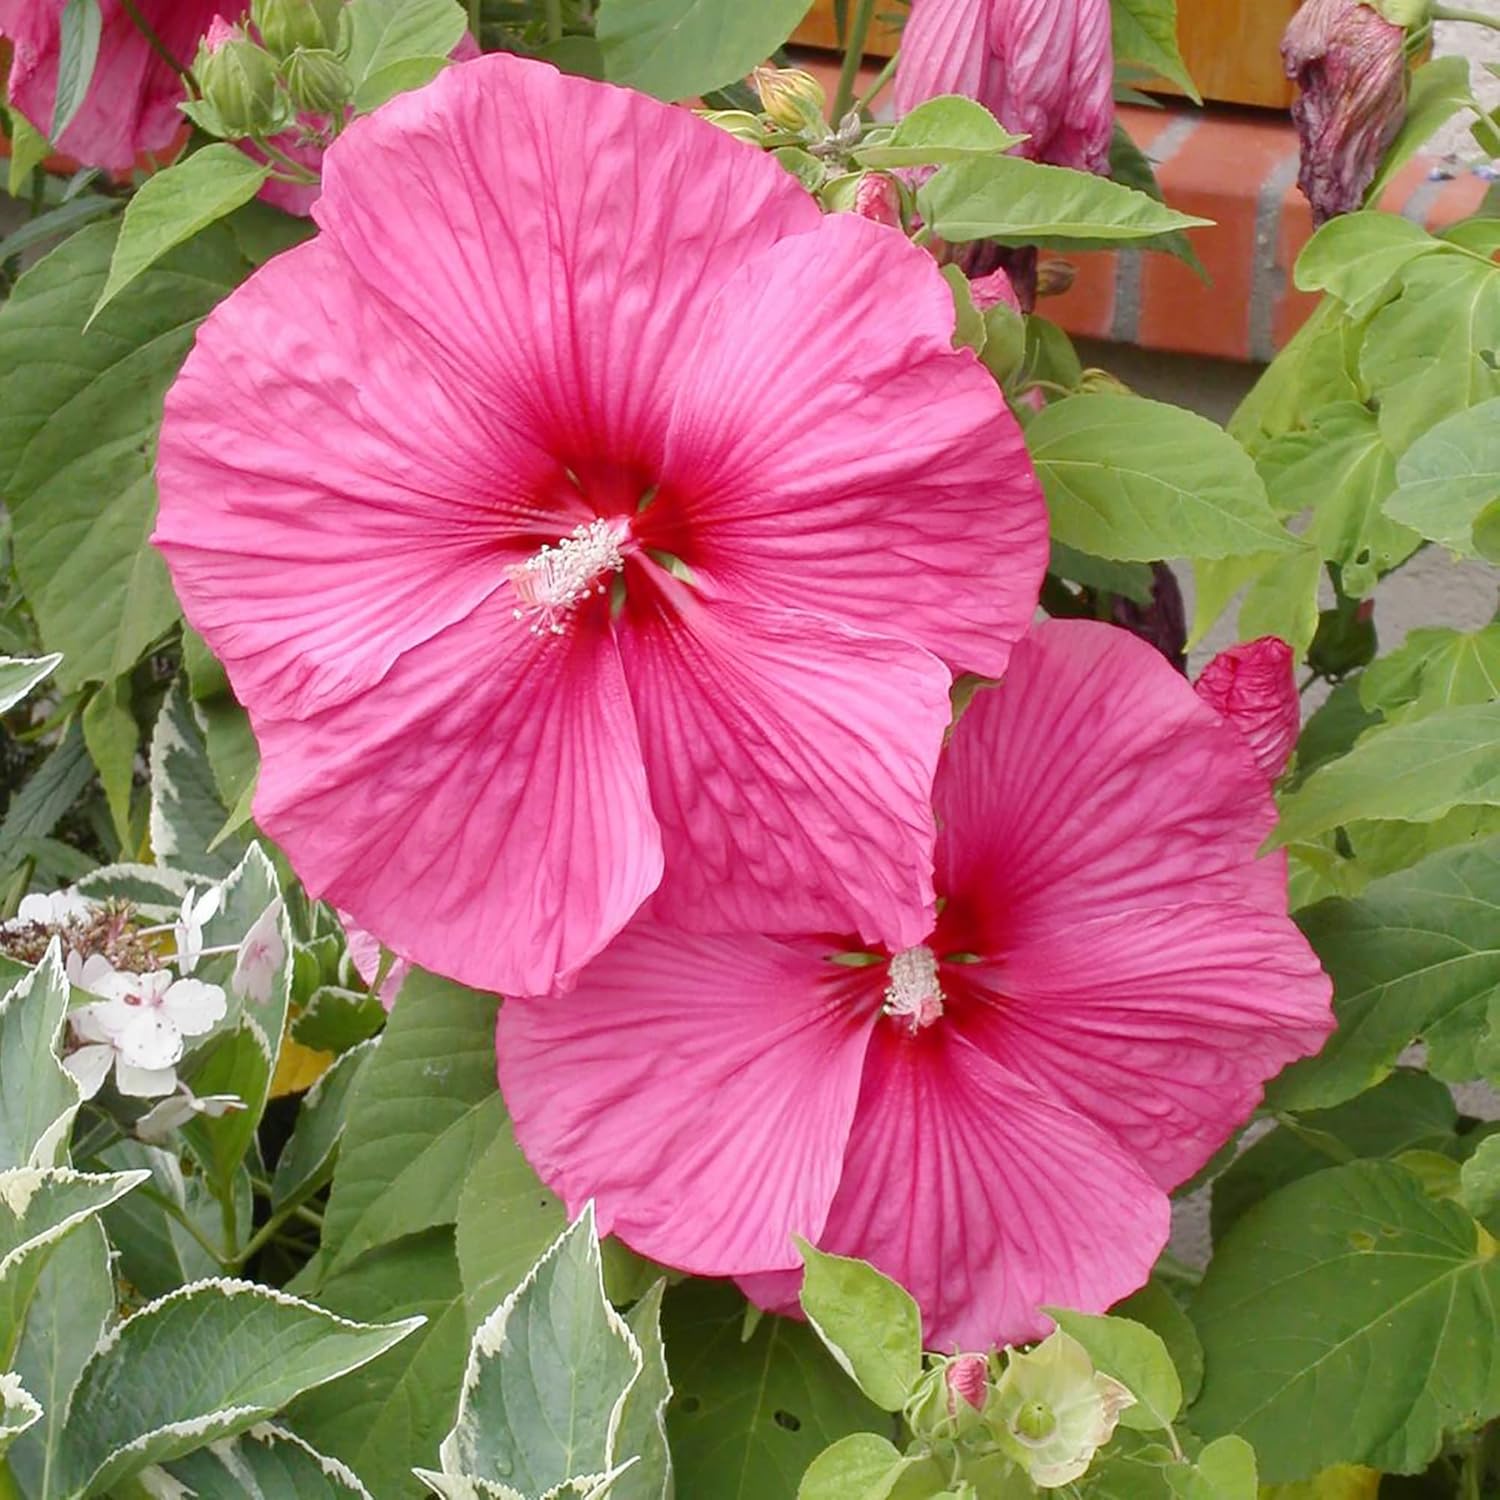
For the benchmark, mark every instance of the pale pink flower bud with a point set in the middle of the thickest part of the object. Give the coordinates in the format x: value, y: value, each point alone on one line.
x: 1350, y: 66
x: 1254, y: 687
x: 877, y: 197
x: 219, y: 34
x: 968, y: 1379
x: 992, y: 290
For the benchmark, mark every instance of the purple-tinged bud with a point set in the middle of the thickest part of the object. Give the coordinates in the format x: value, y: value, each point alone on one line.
x: 878, y: 198
x: 1349, y: 62
x: 968, y: 1379
x: 1254, y: 687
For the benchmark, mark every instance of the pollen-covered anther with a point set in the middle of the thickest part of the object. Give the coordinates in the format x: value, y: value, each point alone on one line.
x: 914, y: 995
x: 554, y: 581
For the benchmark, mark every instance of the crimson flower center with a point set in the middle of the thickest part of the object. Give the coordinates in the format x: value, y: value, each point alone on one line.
x: 914, y: 994
x: 556, y: 579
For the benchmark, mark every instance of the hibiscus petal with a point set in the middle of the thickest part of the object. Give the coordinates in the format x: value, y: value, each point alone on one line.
x: 790, y: 761
x: 1091, y: 781
x: 1160, y: 1026
x: 497, y: 831
x: 563, y: 238
x: 698, y: 1089
x: 944, y: 50
x: 792, y: 497
x: 986, y: 1199
x: 333, y: 491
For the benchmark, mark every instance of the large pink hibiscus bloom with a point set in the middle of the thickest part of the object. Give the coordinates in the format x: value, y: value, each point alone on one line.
x: 1044, y: 68
x: 583, y: 503
x: 994, y: 1115
x: 131, y: 105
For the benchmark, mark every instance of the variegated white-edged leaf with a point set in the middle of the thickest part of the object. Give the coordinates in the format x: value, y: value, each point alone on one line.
x: 19, y: 674
x: 187, y: 812
x: 269, y: 1463
x: 642, y: 1438
x: 539, y: 1434
x: 38, y: 1096
x: 19, y: 1410
x: 154, y: 890
x: 206, y: 1362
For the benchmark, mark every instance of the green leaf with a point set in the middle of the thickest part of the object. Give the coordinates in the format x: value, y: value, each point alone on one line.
x: 1161, y: 1312
x: 871, y: 1326
x: 642, y: 1433
x: 73, y: 1304
x: 18, y: 675
x: 1018, y: 202
x: 307, y: 1159
x: 186, y: 811
x: 111, y: 734
x: 865, y: 1466
x: 1280, y: 595
x: 1145, y: 32
x: 158, y: 892
x: 1132, y: 580
x: 140, y: 1402
x: 78, y: 424
x: 383, y: 34
x: 751, y: 1414
x: 1449, y: 477
x: 506, y: 1220
x: 1224, y: 1470
x: 1349, y: 1319
x: 1407, y: 1110
x: 1432, y: 352
x: 39, y: 1207
x: 946, y: 129
x: 1137, y: 480
x: 175, y: 204
x: 1414, y: 956
x: 1415, y: 771
x: 19, y: 1411
x: 396, y: 78
x: 547, y: 1375
x: 334, y: 1019
x: 421, y: 1113
x: 38, y: 1097
x: 29, y: 148
x: 1432, y: 670
x: 1130, y: 166
x: 1136, y: 1357
x: 77, y: 52
x: 47, y: 796
x: 270, y: 1464
x: 1479, y: 1179
x: 1356, y: 257
x: 678, y: 48
x: 1439, y: 89
x: 389, y: 1417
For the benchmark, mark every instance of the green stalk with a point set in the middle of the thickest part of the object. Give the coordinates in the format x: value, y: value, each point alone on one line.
x: 1463, y: 13
x: 877, y: 88
x: 9, y: 1489
x: 854, y: 55
x: 553, y: 9
x: 475, y: 6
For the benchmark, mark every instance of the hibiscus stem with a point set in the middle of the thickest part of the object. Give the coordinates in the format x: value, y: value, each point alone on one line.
x: 158, y: 46
x: 854, y: 55
x: 553, y: 9
x: 1463, y: 13
x: 297, y: 171
x: 882, y: 78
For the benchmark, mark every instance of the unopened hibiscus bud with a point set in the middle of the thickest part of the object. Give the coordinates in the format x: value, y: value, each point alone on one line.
x: 994, y: 290
x: 739, y: 123
x: 286, y: 25
x: 878, y: 198
x: 1054, y: 276
x: 238, y: 82
x: 968, y: 1379
x: 1052, y: 1411
x: 1349, y: 62
x: 1254, y: 687
x: 318, y: 82
x: 949, y: 1399
x: 795, y: 100
x: 1102, y: 383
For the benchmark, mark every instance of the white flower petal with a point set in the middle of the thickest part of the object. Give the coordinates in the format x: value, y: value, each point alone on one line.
x: 162, y: 1119
x: 147, y: 1039
x: 88, y: 1022
x: 90, y: 1065
x: 194, y: 1007
x: 261, y: 955
x: 144, y: 1083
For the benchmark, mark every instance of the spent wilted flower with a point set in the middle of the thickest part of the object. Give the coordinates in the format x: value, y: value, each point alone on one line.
x: 995, y: 1114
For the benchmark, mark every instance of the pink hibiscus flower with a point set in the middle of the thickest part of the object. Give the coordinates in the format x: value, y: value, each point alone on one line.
x: 131, y: 105
x: 1254, y: 686
x: 995, y: 1115
x: 582, y: 503
x: 1043, y: 68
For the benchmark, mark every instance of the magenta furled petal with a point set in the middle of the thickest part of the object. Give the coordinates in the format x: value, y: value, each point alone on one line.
x: 984, y: 1197
x: 1092, y: 781
x: 561, y: 238
x: 1254, y: 686
x: 789, y: 759
x: 500, y: 834
x: 1160, y: 1026
x: 131, y: 105
x: 944, y: 50
x: 776, y: 492
x: 698, y: 1089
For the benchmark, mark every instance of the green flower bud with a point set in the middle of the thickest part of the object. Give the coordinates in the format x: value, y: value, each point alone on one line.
x: 739, y: 123
x: 239, y: 84
x: 318, y: 82
x: 949, y: 1400
x: 1051, y: 1411
x: 792, y: 98
x: 286, y: 25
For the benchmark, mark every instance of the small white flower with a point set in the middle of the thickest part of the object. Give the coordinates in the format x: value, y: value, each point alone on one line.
x: 261, y: 954
x: 187, y: 930
x: 137, y: 1026
x: 53, y: 908
x: 161, y: 1120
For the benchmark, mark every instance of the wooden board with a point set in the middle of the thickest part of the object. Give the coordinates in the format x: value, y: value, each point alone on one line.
x: 1231, y: 46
